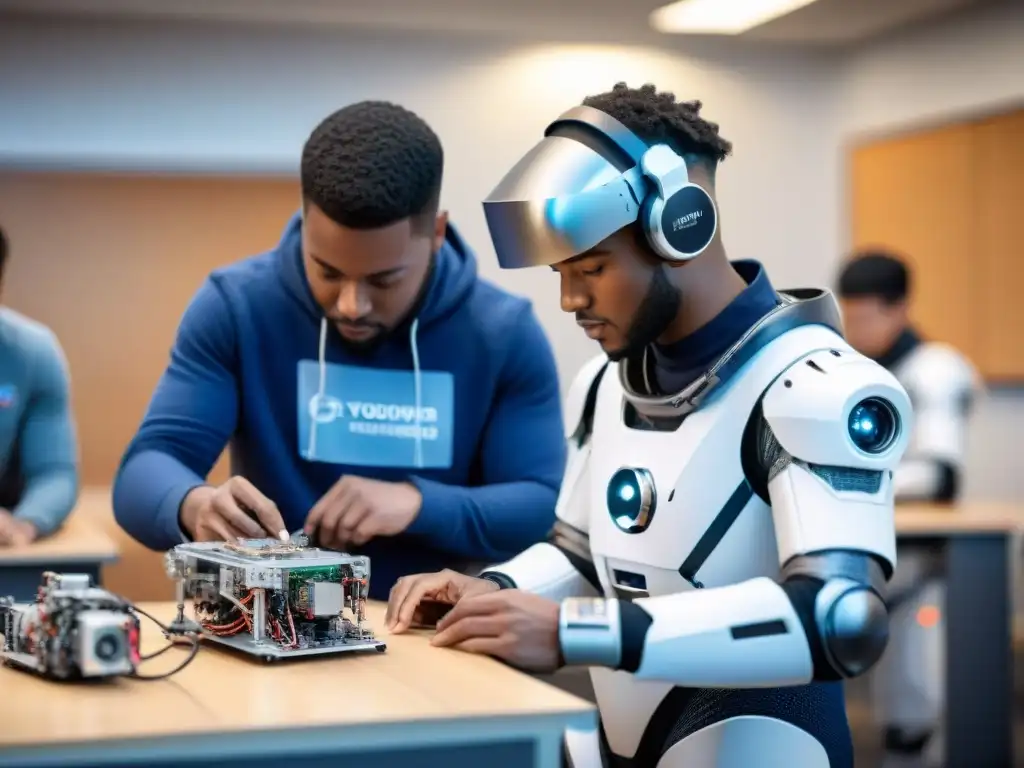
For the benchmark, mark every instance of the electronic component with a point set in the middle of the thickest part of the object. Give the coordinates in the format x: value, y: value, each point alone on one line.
x: 274, y: 599
x: 74, y: 630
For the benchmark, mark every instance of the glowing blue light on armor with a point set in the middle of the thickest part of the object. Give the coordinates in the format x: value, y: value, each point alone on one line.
x: 873, y: 425
x: 630, y: 498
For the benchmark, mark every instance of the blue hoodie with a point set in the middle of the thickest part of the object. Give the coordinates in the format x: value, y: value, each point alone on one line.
x: 463, y: 401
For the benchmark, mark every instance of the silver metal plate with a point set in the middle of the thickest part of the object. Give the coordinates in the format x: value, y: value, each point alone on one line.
x: 245, y: 643
x: 283, y: 555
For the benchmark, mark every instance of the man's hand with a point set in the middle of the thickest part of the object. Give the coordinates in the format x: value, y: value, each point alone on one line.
x: 413, y: 598
x: 357, y: 509
x: 15, y: 532
x: 228, y: 511
x: 518, y: 627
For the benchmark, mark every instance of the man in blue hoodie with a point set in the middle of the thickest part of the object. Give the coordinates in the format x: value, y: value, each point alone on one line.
x: 373, y: 389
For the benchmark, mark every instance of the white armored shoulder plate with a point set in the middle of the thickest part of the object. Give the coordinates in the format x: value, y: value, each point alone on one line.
x: 576, y: 400
x: 840, y: 409
x: 937, y: 371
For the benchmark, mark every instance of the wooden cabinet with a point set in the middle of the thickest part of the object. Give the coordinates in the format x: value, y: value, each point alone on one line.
x: 951, y: 201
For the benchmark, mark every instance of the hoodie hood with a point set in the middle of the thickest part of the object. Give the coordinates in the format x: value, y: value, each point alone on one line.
x: 451, y: 280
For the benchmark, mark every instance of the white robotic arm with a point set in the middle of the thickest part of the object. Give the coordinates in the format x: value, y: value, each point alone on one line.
x: 563, y: 567
x: 834, y: 427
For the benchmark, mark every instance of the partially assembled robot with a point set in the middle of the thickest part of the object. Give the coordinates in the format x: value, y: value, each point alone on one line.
x: 73, y: 630
x: 273, y: 599
x: 749, y: 516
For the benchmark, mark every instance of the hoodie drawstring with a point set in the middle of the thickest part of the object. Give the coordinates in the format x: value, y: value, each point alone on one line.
x: 318, y: 399
x: 416, y: 382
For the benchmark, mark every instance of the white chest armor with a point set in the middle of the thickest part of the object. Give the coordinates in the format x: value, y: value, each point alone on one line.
x: 707, y: 521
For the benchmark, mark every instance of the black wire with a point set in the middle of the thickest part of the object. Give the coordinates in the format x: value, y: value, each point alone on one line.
x: 161, y: 652
x: 188, y: 660
x: 194, y: 639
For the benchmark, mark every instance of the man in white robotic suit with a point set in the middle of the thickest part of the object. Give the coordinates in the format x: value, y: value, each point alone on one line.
x: 874, y: 288
x: 725, y: 525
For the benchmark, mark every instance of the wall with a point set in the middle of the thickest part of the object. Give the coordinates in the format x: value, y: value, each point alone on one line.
x: 177, y: 97
x: 956, y: 67
x: 112, y: 278
x: 183, y: 98
x: 959, y: 67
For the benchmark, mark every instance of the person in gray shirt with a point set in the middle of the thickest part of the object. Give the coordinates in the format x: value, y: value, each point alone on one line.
x: 38, y: 438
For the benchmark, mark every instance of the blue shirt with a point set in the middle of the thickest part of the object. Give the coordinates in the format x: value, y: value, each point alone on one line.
x: 464, y: 403
x: 38, y: 439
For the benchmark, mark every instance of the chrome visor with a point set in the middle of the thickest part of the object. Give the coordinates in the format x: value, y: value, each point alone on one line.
x: 560, y: 200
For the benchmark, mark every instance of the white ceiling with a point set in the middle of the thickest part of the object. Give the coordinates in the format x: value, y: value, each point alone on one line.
x: 825, y: 22
x: 851, y: 21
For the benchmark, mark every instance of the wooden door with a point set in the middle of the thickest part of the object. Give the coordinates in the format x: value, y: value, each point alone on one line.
x: 915, y: 195
x: 1000, y: 193
x: 951, y: 201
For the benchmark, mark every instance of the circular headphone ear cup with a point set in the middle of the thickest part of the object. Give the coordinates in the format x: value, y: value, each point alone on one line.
x: 650, y: 216
x: 688, y: 222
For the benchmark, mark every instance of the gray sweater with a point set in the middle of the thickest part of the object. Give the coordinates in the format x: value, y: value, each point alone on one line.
x: 38, y: 440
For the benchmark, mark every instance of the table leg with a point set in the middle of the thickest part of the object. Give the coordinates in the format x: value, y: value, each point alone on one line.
x: 979, y: 653
x: 22, y: 581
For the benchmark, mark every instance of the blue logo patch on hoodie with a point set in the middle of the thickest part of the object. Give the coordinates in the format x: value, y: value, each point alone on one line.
x: 375, y: 418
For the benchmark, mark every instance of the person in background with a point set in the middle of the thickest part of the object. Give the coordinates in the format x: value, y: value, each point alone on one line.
x: 875, y: 291
x: 38, y: 437
x: 375, y: 391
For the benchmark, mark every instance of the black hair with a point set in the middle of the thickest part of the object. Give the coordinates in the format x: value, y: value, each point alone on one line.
x: 875, y: 273
x: 372, y: 164
x: 655, y: 116
x: 3, y: 251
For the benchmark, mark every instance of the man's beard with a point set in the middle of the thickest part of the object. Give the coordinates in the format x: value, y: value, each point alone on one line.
x: 658, y: 309
x: 368, y: 347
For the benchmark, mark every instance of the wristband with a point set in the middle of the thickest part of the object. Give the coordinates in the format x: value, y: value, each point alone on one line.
x: 503, y: 581
x: 589, y: 632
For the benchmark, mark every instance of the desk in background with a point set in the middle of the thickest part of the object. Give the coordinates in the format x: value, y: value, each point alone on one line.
x: 80, y: 546
x: 412, y: 707
x: 977, y: 538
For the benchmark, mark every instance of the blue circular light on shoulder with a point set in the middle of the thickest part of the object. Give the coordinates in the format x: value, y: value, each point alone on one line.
x: 873, y: 425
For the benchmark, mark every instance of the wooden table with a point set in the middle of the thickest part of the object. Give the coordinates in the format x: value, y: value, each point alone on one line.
x: 411, y: 707
x: 977, y: 539
x: 79, y: 546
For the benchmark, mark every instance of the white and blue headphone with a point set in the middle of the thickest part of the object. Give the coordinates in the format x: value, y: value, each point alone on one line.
x: 678, y: 217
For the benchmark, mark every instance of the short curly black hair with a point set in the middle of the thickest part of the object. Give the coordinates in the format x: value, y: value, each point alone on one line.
x: 655, y: 116
x: 372, y: 164
x: 875, y: 273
